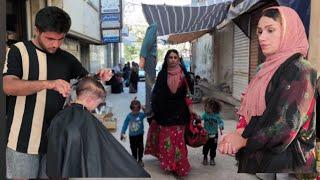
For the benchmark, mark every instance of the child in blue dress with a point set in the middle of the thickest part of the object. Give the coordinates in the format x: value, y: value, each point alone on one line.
x: 136, y: 130
x: 212, y: 122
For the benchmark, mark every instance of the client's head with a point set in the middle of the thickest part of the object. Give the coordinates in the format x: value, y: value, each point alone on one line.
x: 90, y: 93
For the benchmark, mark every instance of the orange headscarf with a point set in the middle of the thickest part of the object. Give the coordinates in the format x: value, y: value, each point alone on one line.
x: 293, y: 40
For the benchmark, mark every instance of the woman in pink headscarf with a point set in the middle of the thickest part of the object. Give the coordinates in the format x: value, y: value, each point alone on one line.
x: 276, y: 131
x: 171, y: 108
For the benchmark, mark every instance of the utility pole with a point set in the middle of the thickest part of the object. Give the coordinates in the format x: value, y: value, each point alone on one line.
x: 314, y: 35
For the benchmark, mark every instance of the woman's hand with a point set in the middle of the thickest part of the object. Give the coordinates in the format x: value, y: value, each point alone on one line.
x: 240, y: 130
x: 231, y: 143
x: 225, y: 147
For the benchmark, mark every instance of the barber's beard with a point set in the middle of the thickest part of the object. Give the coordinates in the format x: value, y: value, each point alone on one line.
x: 43, y: 47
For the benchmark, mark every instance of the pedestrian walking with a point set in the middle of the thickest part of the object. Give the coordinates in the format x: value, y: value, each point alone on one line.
x: 171, y: 109
x: 126, y: 73
x: 134, y: 78
x: 136, y: 130
x: 212, y: 124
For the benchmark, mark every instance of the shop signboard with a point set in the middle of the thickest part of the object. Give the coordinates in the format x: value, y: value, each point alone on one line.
x: 110, y: 35
x: 110, y: 20
x: 110, y: 6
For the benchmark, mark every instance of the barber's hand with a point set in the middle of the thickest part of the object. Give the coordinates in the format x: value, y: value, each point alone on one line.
x: 105, y: 74
x: 61, y: 86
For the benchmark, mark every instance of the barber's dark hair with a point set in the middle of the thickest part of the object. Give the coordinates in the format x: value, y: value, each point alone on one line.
x: 135, y: 103
x: 90, y: 85
x: 52, y: 19
x: 273, y: 13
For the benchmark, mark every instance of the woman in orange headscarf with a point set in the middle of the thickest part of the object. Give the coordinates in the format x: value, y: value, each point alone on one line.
x: 276, y: 131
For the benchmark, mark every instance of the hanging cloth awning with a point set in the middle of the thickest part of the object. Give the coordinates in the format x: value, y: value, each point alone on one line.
x: 240, y: 10
x: 237, y: 8
x: 185, y: 37
x: 184, y: 23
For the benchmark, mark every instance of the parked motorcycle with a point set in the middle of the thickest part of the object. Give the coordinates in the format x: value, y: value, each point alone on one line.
x: 200, y: 87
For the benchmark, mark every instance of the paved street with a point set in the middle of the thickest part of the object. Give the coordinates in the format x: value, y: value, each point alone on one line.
x: 225, y: 167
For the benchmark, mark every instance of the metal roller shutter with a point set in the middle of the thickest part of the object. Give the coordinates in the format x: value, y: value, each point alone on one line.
x: 240, y: 62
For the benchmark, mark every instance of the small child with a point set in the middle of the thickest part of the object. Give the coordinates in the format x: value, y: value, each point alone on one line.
x: 212, y: 121
x: 136, y: 130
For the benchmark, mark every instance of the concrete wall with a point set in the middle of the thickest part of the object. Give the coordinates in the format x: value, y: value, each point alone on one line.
x: 85, y: 55
x: 193, y: 55
x: 223, y: 55
x: 80, y: 50
x: 98, y: 57
x: 85, y: 19
x: 203, y: 57
x: 109, y: 58
x: 34, y: 6
x: 116, y: 53
x: 72, y: 46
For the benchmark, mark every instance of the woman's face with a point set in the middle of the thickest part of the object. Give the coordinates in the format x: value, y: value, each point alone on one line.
x: 173, y: 60
x: 269, y: 35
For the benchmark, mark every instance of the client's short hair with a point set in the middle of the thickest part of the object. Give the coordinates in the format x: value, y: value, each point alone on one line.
x: 89, y: 85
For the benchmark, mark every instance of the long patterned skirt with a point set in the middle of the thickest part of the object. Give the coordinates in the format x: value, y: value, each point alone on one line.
x: 173, y: 154
x: 152, y: 144
x: 168, y: 145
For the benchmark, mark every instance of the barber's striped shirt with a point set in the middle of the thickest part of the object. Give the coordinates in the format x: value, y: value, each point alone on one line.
x: 29, y: 116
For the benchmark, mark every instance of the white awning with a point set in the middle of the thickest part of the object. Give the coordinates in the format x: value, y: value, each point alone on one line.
x: 172, y: 20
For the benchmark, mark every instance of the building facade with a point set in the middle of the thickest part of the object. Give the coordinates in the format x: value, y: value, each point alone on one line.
x: 84, y: 31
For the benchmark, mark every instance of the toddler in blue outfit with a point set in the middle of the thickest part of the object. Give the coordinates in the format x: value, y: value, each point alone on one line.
x: 136, y: 130
x: 212, y: 122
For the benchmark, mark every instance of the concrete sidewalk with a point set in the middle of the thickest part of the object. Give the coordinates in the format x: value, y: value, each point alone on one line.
x: 225, y: 168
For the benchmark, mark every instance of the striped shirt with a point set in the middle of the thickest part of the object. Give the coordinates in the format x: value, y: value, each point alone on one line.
x: 30, y: 116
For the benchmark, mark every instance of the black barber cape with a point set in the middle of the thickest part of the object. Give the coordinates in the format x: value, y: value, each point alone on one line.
x: 80, y: 146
